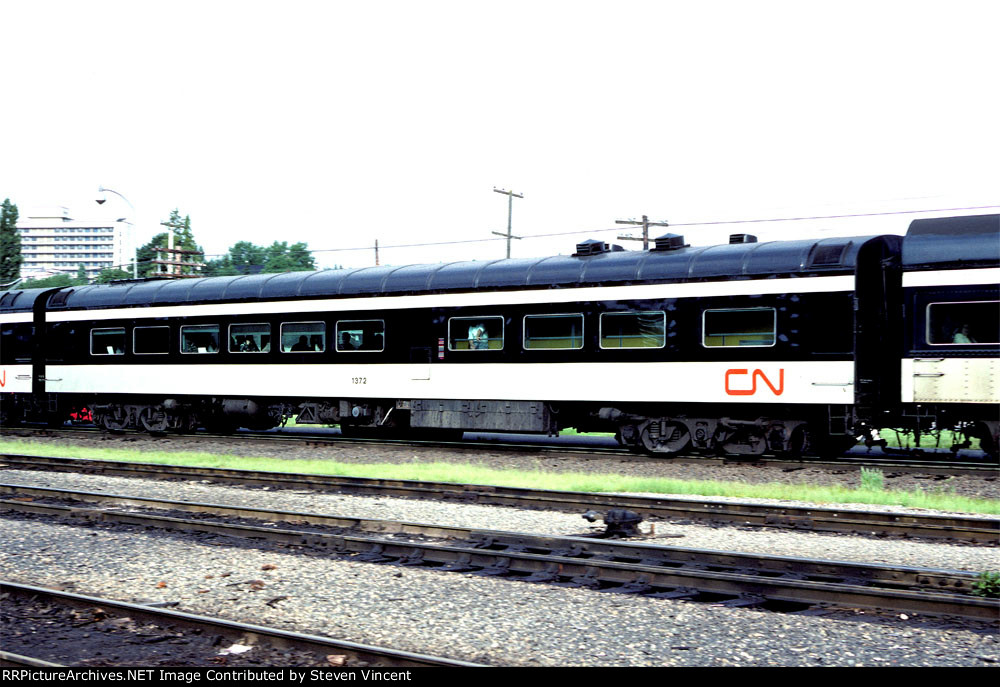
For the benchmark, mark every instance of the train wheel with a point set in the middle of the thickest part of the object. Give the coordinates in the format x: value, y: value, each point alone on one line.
x: 989, y: 441
x: 799, y: 444
x: 628, y: 436
x: 153, y: 420
x: 114, y: 421
x: 662, y: 437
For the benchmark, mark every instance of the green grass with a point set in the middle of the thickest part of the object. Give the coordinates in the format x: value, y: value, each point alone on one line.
x: 926, y: 440
x: 539, y: 479
x: 574, y: 433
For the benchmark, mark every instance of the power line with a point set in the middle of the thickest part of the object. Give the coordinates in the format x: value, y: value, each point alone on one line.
x: 677, y: 224
x: 597, y: 231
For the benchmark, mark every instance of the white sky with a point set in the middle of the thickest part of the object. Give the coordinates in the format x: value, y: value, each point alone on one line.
x: 338, y: 123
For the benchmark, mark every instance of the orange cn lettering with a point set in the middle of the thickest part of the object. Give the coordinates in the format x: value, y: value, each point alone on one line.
x: 753, y: 382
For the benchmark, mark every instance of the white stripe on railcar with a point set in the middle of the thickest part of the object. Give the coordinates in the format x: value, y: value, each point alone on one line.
x: 15, y: 317
x: 15, y: 379
x: 969, y: 277
x: 675, y: 382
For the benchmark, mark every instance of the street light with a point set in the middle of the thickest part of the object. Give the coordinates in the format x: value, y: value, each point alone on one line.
x: 135, y: 248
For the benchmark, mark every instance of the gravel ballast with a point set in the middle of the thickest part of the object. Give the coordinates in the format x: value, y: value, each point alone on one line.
x: 924, y: 554
x: 475, y: 618
x: 480, y: 619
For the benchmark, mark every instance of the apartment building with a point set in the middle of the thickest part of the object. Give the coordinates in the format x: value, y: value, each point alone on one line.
x: 52, y: 243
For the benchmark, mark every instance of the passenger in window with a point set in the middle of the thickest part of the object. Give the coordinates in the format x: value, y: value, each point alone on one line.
x: 963, y: 336
x: 346, y: 343
x: 316, y: 343
x: 302, y: 345
x: 477, y: 337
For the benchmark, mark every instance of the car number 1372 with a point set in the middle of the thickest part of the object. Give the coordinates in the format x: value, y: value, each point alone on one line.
x: 359, y: 380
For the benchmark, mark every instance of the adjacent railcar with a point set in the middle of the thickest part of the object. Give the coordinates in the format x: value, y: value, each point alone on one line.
x: 743, y: 348
x: 950, y: 370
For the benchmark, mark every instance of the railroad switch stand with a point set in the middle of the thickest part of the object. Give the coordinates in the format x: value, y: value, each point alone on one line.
x: 619, y: 522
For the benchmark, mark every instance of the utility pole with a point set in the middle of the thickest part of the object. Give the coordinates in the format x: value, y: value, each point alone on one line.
x: 510, y: 208
x: 376, y: 252
x: 645, y: 224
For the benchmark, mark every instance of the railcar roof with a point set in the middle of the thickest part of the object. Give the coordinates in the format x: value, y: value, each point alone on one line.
x: 731, y: 261
x: 947, y: 242
x: 953, y: 242
x: 20, y: 300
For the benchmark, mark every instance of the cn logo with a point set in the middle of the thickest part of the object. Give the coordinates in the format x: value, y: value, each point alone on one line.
x: 753, y: 382
x: 3, y: 380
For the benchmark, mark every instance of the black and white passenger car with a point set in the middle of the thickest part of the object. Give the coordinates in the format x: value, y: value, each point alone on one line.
x: 743, y: 348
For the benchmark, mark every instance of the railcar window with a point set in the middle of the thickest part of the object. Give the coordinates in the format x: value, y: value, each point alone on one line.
x: 250, y: 338
x: 17, y: 342
x: 553, y: 331
x: 739, y: 327
x: 107, y: 341
x: 151, y: 340
x: 633, y: 329
x: 475, y: 333
x: 200, y: 338
x: 360, y: 335
x: 303, y: 337
x: 963, y: 324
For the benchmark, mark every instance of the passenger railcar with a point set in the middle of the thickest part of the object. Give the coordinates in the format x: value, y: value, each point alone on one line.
x: 744, y: 348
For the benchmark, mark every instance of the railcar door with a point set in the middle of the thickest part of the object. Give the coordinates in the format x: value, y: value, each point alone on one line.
x: 40, y: 352
x: 878, y: 335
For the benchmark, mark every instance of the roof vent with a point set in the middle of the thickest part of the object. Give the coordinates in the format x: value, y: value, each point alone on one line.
x: 591, y: 247
x: 669, y: 242
x: 59, y: 297
x: 829, y: 255
x: 742, y: 238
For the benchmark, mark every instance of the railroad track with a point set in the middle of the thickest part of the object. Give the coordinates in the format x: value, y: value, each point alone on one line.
x: 914, y: 461
x: 770, y: 582
x: 93, y: 631
x: 985, y: 531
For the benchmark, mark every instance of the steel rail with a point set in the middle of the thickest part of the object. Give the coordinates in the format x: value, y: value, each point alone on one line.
x: 639, y: 567
x: 7, y: 659
x: 584, y: 547
x: 242, y: 631
x: 868, y: 522
x: 897, y: 462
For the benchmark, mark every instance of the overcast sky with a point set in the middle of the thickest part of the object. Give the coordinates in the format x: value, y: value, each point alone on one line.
x: 338, y: 123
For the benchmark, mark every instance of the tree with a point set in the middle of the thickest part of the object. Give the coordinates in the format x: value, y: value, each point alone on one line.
x: 220, y: 267
x: 146, y: 254
x: 279, y: 257
x: 247, y: 258
x: 183, y: 238
x: 112, y: 274
x: 48, y: 282
x: 81, y: 275
x: 10, y: 244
